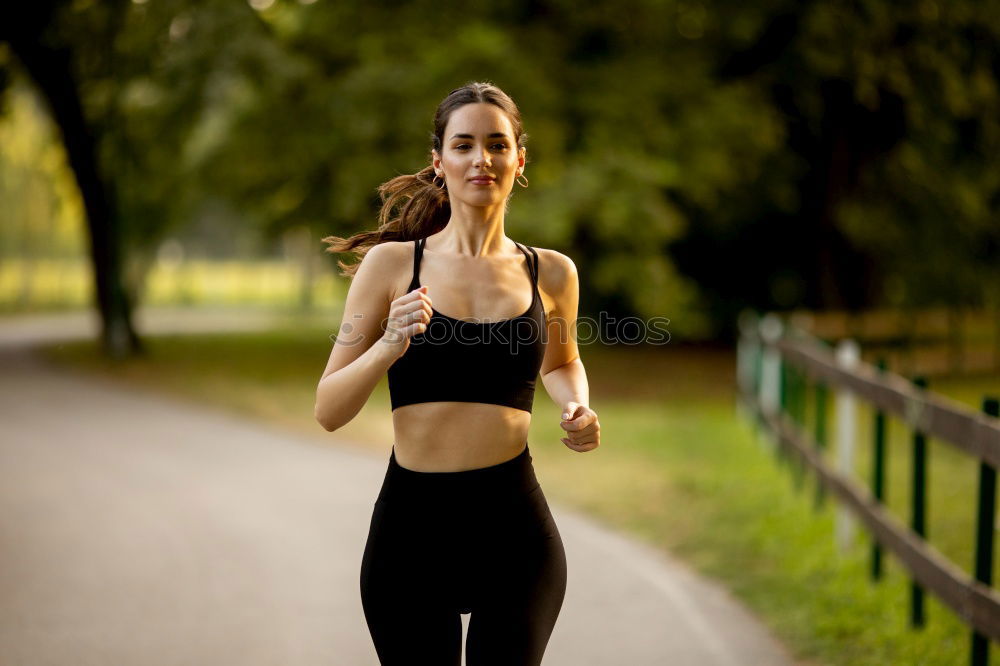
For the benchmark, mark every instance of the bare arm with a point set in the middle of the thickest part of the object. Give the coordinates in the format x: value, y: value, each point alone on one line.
x: 563, y: 374
x: 562, y: 370
x: 374, y: 332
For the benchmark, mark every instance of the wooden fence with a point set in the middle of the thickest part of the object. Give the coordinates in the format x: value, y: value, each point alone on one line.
x: 915, y: 341
x: 776, y: 368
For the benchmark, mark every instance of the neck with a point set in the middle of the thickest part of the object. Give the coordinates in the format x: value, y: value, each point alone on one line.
x: 474, y: 231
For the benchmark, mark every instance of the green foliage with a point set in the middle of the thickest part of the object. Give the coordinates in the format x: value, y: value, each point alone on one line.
x: 41, y: 207
x: 927, y: 205
x: 693, y: 157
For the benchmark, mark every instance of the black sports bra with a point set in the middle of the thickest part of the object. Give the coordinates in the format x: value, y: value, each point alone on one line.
x: 464, y: 361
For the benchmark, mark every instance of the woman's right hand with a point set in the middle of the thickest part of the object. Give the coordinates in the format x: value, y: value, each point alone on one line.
x: 408, y: 315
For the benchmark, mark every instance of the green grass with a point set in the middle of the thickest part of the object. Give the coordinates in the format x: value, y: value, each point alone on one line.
x: 677, y: 468
x: 32, y: 285
x: 952, y: 479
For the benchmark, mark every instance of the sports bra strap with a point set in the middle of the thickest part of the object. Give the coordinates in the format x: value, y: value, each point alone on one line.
x: 535, y: 273
x: 532, y: 267
x: 418, y: 251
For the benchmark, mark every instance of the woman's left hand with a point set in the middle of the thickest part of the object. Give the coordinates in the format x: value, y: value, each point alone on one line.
x: 582, y: 427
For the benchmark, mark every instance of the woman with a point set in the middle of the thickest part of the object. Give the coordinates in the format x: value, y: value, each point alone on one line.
x: 460, y: 524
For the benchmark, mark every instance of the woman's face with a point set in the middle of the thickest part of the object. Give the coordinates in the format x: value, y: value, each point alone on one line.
x: 479, y: 141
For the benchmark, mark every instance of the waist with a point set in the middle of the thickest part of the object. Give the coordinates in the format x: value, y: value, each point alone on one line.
x: 450, y: 436
x: 493, y: 483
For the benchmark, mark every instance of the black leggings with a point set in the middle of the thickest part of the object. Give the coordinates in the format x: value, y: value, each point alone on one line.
x: 479, y: 541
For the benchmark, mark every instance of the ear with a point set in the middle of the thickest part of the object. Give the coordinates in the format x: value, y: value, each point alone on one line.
x: 520, y: 157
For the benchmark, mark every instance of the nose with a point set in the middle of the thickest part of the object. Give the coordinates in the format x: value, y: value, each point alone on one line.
x: 483, y: 158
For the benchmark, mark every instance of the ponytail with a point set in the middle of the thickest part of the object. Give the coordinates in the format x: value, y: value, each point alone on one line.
x: 424, y: 209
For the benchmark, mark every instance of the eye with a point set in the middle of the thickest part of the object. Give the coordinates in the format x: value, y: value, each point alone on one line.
x: 463, y: 146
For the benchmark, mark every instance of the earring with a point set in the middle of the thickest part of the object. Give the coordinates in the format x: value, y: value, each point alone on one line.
x: 518, y: 179
x: 435, y: 179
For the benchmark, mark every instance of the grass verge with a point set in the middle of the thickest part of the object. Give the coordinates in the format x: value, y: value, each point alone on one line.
x: 676, y: 468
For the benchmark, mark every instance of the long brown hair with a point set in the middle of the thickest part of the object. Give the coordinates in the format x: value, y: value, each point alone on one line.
x: 424, y: 207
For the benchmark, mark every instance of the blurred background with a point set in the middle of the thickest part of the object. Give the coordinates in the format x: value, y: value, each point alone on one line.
x: 172, y: 164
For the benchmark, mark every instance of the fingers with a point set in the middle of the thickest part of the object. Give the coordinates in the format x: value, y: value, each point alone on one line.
x: 581, y: 447
x: 419, y: 292
x: 582, y: 433
x: 583, y: 437
x: 415, y: 296
x: 401, y: 320
x: 580, y: 423
x: 413, y: 329
x: 411, y: 312
x: 413, y: 323
x: 418, y: 310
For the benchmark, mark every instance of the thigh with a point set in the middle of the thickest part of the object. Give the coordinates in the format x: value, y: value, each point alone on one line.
x: 521, y: 593
x: 406, y: 608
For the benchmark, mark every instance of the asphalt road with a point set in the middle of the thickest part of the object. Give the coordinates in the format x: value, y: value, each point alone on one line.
x: 137, y: 529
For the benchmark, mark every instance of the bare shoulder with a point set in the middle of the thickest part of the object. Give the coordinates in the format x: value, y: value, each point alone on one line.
x: 386, y: 257
x: 558, y: 283
x: 556, y: 272
x: 387, y: 264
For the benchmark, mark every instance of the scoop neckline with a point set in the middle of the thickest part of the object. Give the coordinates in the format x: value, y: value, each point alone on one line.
x: 531, y: 306
x: 534, y: 298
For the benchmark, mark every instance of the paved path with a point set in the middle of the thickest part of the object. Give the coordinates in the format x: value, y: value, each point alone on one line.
x: 136, y: 529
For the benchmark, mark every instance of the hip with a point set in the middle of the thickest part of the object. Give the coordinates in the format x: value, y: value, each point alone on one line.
x: 498, y: 484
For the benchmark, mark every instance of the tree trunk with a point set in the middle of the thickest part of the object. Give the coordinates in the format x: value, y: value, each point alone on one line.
x: 50, y: 68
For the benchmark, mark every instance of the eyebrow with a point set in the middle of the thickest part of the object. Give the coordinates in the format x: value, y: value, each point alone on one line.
x: 469, y: 136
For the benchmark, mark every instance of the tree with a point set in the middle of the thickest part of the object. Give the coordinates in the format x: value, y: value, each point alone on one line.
x: 48, y: 60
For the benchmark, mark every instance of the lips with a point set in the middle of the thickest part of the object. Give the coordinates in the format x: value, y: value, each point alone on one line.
x: 482, y: 179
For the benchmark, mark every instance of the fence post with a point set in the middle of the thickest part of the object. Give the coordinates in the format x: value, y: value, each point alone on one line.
x: 802, y: 409
x: 770, y: 380
x: 848, y: 355
x: 758, y: 386
x: 799, y: 418
x: 820, y: 436
x: 784, y: 386
x: 746, y: 353
x: 985, y: 517
x: 878, y: 475
x: 919, y: 507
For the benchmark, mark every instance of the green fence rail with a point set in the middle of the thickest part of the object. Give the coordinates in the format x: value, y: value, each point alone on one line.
x: 777, y: 367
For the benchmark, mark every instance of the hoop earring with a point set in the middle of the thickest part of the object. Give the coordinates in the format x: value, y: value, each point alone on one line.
x: 518, y: 179
x: 435, y: 179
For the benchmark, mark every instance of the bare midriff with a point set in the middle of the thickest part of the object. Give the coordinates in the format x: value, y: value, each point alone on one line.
x: 457, y: 436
